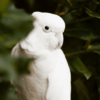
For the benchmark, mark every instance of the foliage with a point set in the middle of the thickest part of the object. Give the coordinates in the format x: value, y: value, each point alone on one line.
x: 81, y: 42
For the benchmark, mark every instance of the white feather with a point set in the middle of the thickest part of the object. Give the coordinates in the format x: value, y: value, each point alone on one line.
x: 50, y: 75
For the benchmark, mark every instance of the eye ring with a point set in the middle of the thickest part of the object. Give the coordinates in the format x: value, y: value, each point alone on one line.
x: 46, y: 29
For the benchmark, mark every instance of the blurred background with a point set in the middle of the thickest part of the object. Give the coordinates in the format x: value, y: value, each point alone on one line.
x: 81, y: 42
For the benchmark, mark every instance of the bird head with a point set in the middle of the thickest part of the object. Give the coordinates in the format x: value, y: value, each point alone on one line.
x: 47, y: 34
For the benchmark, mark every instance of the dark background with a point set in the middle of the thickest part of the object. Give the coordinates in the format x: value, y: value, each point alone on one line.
x: 81, y: 42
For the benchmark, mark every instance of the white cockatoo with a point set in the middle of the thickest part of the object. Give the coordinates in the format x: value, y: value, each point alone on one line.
x: 49, y: 77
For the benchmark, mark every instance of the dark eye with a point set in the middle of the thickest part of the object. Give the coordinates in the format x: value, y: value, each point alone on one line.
x: 47, y: 27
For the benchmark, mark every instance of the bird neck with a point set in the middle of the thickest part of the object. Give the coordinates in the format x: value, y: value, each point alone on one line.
x: 46, y: 62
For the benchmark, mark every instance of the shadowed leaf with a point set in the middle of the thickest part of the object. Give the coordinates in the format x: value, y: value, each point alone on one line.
x: 80, y: 67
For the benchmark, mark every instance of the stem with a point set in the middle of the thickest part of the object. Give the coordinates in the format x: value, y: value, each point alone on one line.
x: 63, y: 13
x: 74, y: 53
x: 81, y: 52
x: 58, y: 9
x: 80, y: 20
x: 76, y: 29
x: 97, y: 2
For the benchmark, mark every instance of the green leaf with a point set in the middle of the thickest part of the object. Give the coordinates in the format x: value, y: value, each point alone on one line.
x: 92, y: 14
x: 67, y: 17
x: 7, y: 71
x: 11, y: 68
x: 3, y: 5
x: 19, y: 24
x: 88, y: 42
x: 96, y: 1
x: 12, y: 96
x: 95, y: 48
x: 21, y: 65
x: 81, y: 90
x: 4, y: 86
x: 7, y: 91
x: 14, y: 17
x: 69, y: 2
x: 81, y: 31
x: 18, y: 20
x: 80, y: 67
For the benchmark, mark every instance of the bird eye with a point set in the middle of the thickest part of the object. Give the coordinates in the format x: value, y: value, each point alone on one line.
x: 46, y: 29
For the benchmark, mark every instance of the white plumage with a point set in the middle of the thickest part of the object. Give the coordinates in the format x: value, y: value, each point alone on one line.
x: 50, y: 75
